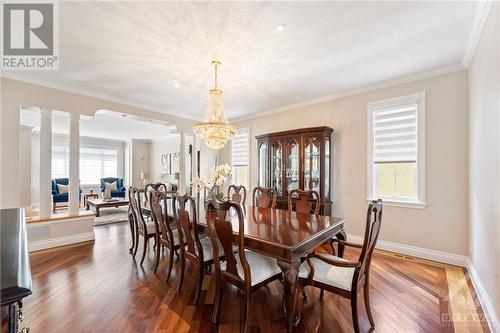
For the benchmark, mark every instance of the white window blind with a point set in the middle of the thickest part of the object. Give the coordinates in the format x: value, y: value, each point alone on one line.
x: 239, y: 149
x: 395, y: 134
x: 240, y: 157
x: 95, y: 163
x: 60, y: 156
x: 396, y: 150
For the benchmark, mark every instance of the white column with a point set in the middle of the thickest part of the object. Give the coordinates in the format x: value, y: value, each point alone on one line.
x: 194, y: 162
x: 45, y: 162
x: 182, y: 164
x: 74, y: 164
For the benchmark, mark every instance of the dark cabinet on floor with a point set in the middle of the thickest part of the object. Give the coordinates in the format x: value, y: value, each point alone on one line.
x: 299, y: 158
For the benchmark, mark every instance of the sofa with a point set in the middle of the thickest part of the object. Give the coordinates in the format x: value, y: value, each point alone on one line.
x: 60, y: 197
x: 119, y: 185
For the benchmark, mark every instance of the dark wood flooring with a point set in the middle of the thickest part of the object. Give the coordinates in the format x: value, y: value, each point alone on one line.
x: 98, y: 287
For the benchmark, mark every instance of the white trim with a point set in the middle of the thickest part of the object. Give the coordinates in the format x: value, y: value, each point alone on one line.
x: 372, y: 106
x: 402, y: 204
x: 482, y: 11
x: 144, y: 106
x: 60, y: 241
x: 414, y: 251
x: 356, y: 91
x: 485, y: 299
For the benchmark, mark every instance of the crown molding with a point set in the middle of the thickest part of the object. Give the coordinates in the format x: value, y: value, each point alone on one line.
x: 356, y: 91
x: 482, y: 11
x: 46, y: 84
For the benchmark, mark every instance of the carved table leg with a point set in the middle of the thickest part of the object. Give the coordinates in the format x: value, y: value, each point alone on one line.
x: 290, y: 274
x: 342, y: 236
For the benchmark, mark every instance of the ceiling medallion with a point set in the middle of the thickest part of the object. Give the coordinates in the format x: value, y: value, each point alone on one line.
x: 215, y: 129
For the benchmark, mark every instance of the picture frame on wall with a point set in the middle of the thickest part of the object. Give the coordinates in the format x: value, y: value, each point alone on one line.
x: 165, y: 164
x: 174, y: 163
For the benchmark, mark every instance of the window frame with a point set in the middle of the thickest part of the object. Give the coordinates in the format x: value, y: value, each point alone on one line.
x: 247, y: 131
x: 420, y: 199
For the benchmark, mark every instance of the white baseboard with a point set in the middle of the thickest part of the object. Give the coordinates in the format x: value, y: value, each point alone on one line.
x: 445, y: 257
x: 484, y: 298
x: 60, y: 241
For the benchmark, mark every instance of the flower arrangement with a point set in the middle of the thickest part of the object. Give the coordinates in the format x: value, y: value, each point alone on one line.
x: 220, y: 175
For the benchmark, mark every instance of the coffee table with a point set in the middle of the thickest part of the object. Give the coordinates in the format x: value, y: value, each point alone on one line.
x: 101, y: 203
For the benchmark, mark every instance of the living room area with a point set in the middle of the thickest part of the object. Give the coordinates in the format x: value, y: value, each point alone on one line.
x: 115, y: 151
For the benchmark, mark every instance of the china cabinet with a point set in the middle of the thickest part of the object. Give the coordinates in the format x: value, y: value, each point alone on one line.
x: 296, y: 159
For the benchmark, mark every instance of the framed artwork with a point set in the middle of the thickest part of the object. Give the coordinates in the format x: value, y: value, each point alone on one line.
x: 165, y: 164
x: 174, y: 163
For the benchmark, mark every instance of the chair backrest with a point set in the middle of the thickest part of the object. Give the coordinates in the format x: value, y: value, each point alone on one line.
x: 159, y: 213
x: 110, y: 180
x: 153, y: 187
x: 237, y: 194
x: 62, y: 181
x: 264, y: 197
x: 221, y: 235
x: 373, y: 223
x: 303, y: 203
x: 185, y: 218
x: 135, y: 205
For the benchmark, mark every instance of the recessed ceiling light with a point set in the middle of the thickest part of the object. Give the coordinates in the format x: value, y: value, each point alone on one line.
x: 124, y: 115
x: 176, y: 85
x: 280, y: 28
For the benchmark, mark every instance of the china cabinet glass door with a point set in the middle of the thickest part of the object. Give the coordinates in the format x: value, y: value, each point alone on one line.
x: 312, y: 164
x: 292, y: 165
x: 276, y: 167
x: 327, y: 169
x: 263, y: 168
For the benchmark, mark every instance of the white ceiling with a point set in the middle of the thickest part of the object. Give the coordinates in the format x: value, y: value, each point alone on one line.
x: 105, y: 125
x: 137, y: 52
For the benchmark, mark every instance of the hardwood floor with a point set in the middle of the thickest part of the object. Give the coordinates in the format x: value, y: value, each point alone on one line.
x: 100, y: 288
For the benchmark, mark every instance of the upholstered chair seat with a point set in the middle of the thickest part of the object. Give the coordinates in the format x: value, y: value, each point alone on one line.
x: 338, y: 277
x: 261, y: 267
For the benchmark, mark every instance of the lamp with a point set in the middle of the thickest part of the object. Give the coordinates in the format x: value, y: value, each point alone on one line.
x: 215, y: 129
x: 144, y: 177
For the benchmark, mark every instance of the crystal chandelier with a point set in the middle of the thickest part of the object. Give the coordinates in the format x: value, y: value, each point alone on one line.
x: 215, y: 129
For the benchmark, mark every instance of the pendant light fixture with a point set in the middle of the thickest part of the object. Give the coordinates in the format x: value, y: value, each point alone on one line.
x: 215, y: 129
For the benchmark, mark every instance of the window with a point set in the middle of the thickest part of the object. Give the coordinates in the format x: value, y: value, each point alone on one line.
x: 396, y: 154
x: 60, y: 158
x: 240, y: 157
x: 95, y: 163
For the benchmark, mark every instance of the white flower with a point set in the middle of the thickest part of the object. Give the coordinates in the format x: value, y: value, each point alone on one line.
x: 220, y: 180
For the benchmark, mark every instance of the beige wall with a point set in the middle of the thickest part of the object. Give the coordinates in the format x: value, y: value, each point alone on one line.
x: 484, y: 160
x: 157, y: 148
x: 139, y: 161
x: 442, y: 225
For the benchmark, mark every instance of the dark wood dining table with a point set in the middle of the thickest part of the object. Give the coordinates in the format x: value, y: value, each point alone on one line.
x: 286, y: 236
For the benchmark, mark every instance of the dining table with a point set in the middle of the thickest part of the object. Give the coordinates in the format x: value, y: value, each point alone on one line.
x: 286, y: 236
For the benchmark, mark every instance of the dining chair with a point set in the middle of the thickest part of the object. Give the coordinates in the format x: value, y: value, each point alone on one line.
x: 264, y: 197
x: 236, y: 196
x: 343, y: 277
x: 246, y: 270
x: 167, y: 237
x: 198, y: 249
x: 153, y: 187
x: 303, y: 203
x: 145, y: 227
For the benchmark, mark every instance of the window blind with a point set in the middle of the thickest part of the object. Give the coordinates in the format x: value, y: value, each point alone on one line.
x: 239, y: 149
x: 395, y: 134
x: 95, y: 163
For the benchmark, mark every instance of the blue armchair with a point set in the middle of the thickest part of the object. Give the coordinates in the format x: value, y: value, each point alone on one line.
x: 119, y: 185
x: 60, y: 197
